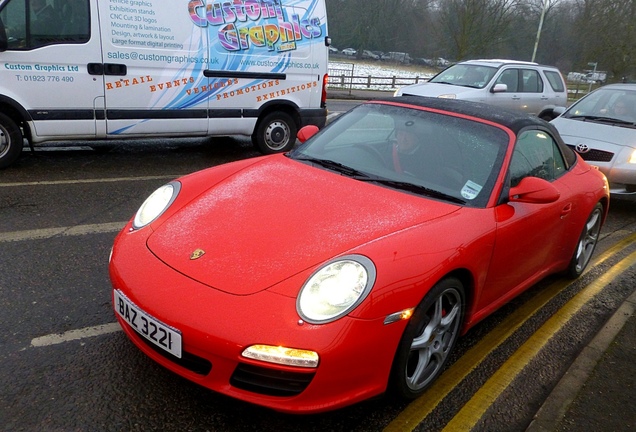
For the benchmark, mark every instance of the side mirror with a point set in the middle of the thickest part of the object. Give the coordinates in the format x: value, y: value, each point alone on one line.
x: 499, y: 88
x: 307, y: 132
x: 535, y: 191
x: 4, y: 44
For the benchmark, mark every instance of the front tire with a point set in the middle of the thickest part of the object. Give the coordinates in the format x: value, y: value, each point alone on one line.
x: 428, y: 339
x: 11, y: 141
x: 587, y: 243
x: 275, y: 133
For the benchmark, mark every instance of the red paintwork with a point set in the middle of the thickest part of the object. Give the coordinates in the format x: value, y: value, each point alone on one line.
x: 267, y: 223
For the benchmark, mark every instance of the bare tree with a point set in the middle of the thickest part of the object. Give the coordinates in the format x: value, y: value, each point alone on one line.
x: 572, y: 34
x: 371, y: 24
x: 607, y: 30
x: 475, y: 27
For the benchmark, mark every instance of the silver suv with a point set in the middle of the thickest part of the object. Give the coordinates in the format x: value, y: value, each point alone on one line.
x: 529, y: 87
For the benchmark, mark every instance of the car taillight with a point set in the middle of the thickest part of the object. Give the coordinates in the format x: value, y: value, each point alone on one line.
x: 323, y: 99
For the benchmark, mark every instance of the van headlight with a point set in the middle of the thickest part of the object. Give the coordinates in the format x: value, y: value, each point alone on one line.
x: 336, y: 289
x: 156, y: 204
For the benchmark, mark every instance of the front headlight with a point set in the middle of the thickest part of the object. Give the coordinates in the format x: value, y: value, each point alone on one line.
x: 156, y: 204
x: 632, y: 158
x: 336, y: 289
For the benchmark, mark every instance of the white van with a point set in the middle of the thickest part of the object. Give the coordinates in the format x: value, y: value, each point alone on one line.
x: 97, y: 69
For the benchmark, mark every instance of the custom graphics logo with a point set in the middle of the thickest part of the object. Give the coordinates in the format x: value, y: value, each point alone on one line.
x: 254, y: 23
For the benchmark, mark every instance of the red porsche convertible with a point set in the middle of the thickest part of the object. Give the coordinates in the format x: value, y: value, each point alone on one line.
x: 349, y: 267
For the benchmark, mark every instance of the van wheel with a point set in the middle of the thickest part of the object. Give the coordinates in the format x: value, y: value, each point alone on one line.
x: 275, y: 133
x: 11, y: 141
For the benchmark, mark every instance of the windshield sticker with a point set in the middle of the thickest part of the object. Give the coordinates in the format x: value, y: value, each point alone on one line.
x: 470, y: 190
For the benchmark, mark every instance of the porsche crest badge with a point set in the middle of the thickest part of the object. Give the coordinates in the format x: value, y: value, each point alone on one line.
x: 197, y: 254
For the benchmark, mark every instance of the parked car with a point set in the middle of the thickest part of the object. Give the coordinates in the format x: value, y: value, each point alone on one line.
x: 349, y: 51
x: 399, y: 57
x: 528, y: 87
x: 426, y: 206
x: 370, y: 55
x: 601, y: 128
x: 333, y: 50
x: 423, y: 61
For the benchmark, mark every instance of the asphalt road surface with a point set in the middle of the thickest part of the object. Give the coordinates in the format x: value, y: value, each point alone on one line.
x: 65, y: 365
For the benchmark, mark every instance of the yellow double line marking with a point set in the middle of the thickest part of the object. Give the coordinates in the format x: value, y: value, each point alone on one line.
x: 472, y: 412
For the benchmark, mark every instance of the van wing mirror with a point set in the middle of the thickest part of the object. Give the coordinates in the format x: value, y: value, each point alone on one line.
x: 307, y: 132
x: 4, y: 44
x: 535, y: 191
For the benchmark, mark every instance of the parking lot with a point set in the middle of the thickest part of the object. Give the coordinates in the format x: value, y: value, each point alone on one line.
x: 66, y: 366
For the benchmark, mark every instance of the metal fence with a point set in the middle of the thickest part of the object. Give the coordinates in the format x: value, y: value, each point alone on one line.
x: 342, y: 76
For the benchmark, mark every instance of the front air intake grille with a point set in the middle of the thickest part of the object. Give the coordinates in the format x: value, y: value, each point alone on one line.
x: 595, y: 155
x: 270, y: 382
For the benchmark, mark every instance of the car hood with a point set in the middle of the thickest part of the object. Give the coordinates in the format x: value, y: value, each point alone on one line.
x: 596, y: 135
x: 435, y: 89
x: 278, y: 217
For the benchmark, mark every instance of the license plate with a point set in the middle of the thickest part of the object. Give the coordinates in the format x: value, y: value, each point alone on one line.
x: 160, y: 334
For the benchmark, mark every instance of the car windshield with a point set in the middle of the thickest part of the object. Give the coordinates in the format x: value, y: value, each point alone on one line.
x: 421, y: 152
x: 606, y: 105
x: 466, y: 75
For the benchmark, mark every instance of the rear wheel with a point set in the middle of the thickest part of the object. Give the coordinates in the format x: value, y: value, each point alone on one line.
x: 587, y: 242
x: 11, y: 141
x: 275, y: 133
x: 428, y: 339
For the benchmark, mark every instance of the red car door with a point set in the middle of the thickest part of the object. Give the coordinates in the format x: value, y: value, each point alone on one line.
x: 529, y: 238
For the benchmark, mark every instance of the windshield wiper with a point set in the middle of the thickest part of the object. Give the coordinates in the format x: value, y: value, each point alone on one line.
x: 410, y: 187
x: 602, y: 119
x: 335, y: 166
x: 362, y: 176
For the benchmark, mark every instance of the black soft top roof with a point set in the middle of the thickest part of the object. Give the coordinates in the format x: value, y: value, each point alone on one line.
x: 513, y: 120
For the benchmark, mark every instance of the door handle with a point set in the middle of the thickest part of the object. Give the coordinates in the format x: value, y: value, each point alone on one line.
x: 95, y: 68
x: 115, y: 69
x: 566, y: 210
x: 106, y: 69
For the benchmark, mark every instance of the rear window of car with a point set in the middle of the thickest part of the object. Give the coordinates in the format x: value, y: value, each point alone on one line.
x: 555, y: 80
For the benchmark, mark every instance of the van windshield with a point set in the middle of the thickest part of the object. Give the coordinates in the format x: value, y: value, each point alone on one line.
x: 466, y: 75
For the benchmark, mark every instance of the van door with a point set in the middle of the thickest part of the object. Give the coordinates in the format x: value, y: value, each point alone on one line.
x: 45, y: 69
x: 154, y: 58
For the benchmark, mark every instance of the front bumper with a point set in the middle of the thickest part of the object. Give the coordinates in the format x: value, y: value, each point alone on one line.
x: 618, y: 168
x: 355, y: 355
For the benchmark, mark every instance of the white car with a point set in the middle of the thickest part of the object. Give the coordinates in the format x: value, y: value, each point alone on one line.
x: 523, y: 86
x: 370, y: 55
x: 601, y: 128
x: 349, y: 51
